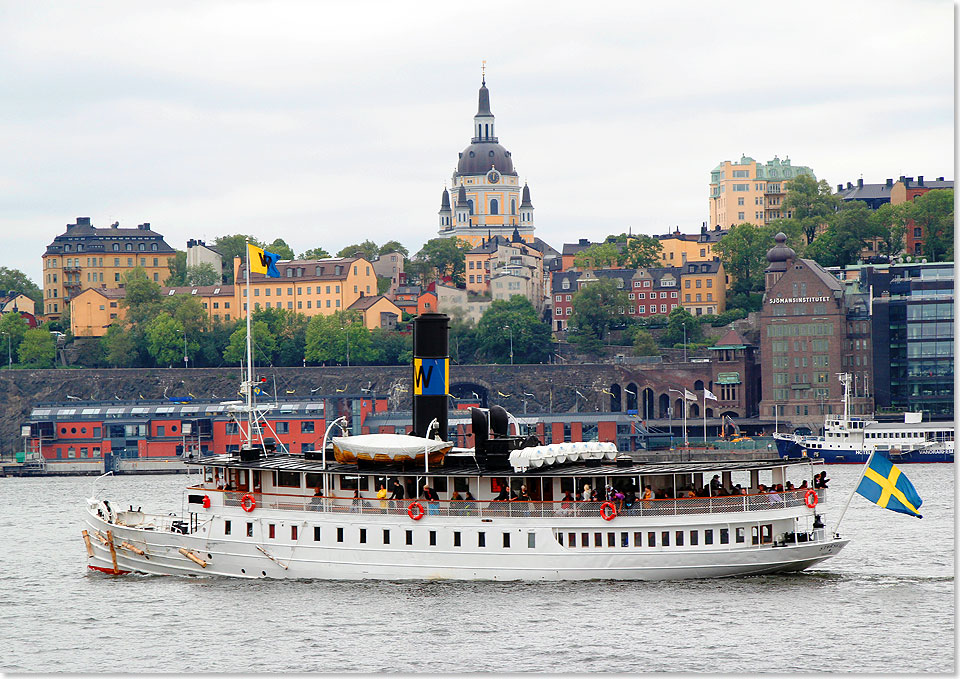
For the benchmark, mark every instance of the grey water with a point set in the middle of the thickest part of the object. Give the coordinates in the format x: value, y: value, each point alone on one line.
x: 885, y: 604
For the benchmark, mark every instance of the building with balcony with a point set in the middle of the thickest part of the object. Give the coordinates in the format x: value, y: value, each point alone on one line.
x: 750, y: 191
x: 85, y: 256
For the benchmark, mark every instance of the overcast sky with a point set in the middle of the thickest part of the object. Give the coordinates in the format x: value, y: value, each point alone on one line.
x: 328, y: 123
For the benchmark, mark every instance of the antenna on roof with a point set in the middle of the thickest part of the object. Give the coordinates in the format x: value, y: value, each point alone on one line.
x: 483, y: 72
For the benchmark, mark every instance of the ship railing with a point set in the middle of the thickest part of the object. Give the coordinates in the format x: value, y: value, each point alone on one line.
x: 521, y: 509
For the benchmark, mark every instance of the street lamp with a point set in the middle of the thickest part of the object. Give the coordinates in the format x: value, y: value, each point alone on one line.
x: 507, y: 327
x: 9, y: 359
x: 684, y: 341
x: 185, y: 348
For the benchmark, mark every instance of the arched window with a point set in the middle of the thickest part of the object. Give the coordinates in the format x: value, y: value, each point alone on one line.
x: 694, y: 410
x: 141, y: 247
x: 128, y: 247
x: 66, y: 248
x: 632, y: 397
x: 470, y: 203
x: 664, y: 412
x: 513, y: 206
x: 116, y: 247
x: 494, y: 207
x: 615, y: 398
x: 80, y: 248
x: 698, y: 385
x: 153, y: 247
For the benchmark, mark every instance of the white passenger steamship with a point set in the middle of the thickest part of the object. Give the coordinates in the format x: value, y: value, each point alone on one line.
x: 507, y: 509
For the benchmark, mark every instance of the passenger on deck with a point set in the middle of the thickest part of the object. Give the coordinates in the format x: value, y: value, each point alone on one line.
x: 689, y: 493
x: 820, y: 480
x: 566, y: 504
x: 523, y: 497
x: 503, y: 496
x: 715, y: 485
x: 433, y: 500
x: 355, y: 504
x: 469, y: 504
x: 803, y: 486
x: 789, y: 486
x: 456, y: 504
x: 316, y: 500
x: 382, y: 496
x: 396, y: 494
x: 630, y: 497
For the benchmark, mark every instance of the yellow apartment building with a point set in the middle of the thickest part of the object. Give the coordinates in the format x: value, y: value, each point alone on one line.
x: 85, y: 256
x: 750, y: 191
x: 377, y: 312
x: 703, y: 287
x: 311, y: 287
x: 687, y: 247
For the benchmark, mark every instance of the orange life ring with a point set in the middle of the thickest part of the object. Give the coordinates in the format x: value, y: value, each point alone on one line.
x: 206, y: 502
x: 608, y: 511
x: 415, y: 511
x: 248, y: 502
x: 810, y: 498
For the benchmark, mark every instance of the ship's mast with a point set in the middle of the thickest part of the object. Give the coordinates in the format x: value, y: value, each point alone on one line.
x: 845, y: 383
x: 248, y: 387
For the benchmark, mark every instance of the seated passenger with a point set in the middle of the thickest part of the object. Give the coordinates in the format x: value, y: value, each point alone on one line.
x: 469, y: 504
x: 566, y: 504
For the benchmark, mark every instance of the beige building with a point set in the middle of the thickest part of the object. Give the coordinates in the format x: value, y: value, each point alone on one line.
x: 377, y: 312
x: 498, y: 257
x: 16, y: 301
x: 750, y: 191
x: 390, y: 265
x: 312, y: 287
x: 89, y: 257
x: 199, y: 253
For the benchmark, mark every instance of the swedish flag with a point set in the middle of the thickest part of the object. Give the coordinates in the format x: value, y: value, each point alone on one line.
x: 883, y: 484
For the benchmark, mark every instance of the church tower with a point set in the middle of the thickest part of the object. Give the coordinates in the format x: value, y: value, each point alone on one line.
x: 489, y: 200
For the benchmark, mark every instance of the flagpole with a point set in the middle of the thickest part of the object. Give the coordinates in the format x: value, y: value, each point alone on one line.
x: 863, y: 471
x: 249, y: 389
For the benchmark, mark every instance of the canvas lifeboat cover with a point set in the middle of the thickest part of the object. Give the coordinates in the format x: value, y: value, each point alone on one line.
x: 388, y: 448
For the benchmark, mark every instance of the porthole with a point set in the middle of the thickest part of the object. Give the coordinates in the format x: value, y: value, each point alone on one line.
x: 173, y: 427
x: 243, y: 570
x: 63, y: 430
x: 83, y: 430
x: 472, y: 154
x: 491, y: 154
x: 263, y: 573
x: 73, y: 430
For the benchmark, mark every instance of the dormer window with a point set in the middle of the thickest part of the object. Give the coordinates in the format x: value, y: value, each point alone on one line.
x: 566, y: 284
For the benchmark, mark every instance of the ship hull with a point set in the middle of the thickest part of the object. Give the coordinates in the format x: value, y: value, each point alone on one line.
x: 788, y: 449
x: 160, y: 552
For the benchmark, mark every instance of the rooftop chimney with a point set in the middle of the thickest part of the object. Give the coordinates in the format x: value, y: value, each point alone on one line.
x: 920, y: 180
x: 849, y: 185
x: 839, y: 188
x: 889, y: 182
x: 939, y: 179
x: 860, y: 183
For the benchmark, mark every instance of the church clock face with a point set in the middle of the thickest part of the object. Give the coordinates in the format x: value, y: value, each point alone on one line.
x: 493, y: 176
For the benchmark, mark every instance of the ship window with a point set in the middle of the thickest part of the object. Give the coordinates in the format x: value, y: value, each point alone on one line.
x: 708, y: 536
x: 766, y: 533
x: 611, y: 539
x: 288, y: 479
x: 755, y: 535
x: 679, y: 538
x: 506, y: 540
x: 665, y: 538
x: 571, y: 539
x: 456, y: 538
x: 249, y: 529
x: 624, y: 539
x: 598, y: 539
x: 363, y: 536
x: 724, y: 536
x: 271, y: 530
x: 651, y: 539
x: 386, y: 536
x: 433, y: 538
x: 584, y: 539
x: 638, y: 539
x: 531, y: 540
x: 481, y: 539
x: 694, y: 538
x: 226, y: 528
x: 316, y: 533
x: 409, y: 537
x: 339, y: 534
x: 560, y: 538
x: 293, y: 533
x: 740, y: 536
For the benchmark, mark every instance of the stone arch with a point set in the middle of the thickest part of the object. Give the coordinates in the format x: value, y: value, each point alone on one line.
x: 678, y: 407
x: 698, y: 385
x: 632, y: 394
x: 616, y: 398
x: 694, y: 410
x: 646, y: 409
x: 663, y: 412
x: 709, y: 412
x: 729, y: 413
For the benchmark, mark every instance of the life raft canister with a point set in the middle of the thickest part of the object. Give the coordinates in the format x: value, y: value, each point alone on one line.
x: 206, y: 502
x: 248, y: 502
x: 415, y: 511
x: 810, y: 498
x: 608, y: 511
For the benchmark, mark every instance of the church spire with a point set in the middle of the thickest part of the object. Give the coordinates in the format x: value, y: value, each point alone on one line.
x: 483, y: 121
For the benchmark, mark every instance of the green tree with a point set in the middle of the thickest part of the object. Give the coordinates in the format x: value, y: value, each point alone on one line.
x: 597, y: 256
x: 289, y: 328
x: 677, y: 320
x: 463, y: 339
x: 264, y: 344
x: 890, y: 222
x: 234, y: 246
x: 202, y: 274
x: 178, y: 270
x: 119, y: 347
x: 164, y: 335
x: 16, y: 281
x: 340, y: 338
x: 12, y: 329
x: 38, y: 349
x: 810, y: 203
x: 213, y: 342
x: 280, y: 247
x: 392, y: 348
x: 743, y: 251
x: 383, y: 284
x: 314, y: 253
x: 933, y: 211
x: 394, y: 246
x: 644, y: 344
x: 443, y: 257
x: 641, y: 251
x: 367, y: 249
x: 514, y: 318
x: 142, y: 297
x: 597, y: 307
x: 852, y: 227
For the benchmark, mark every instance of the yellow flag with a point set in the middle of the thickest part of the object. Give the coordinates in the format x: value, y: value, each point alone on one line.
x: 258, y: 262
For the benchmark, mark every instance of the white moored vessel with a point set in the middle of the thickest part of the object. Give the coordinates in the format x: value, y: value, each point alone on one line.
x: 507, y: 509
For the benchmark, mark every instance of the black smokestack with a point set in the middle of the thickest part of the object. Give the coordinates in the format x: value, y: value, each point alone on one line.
x: 431, y: 372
